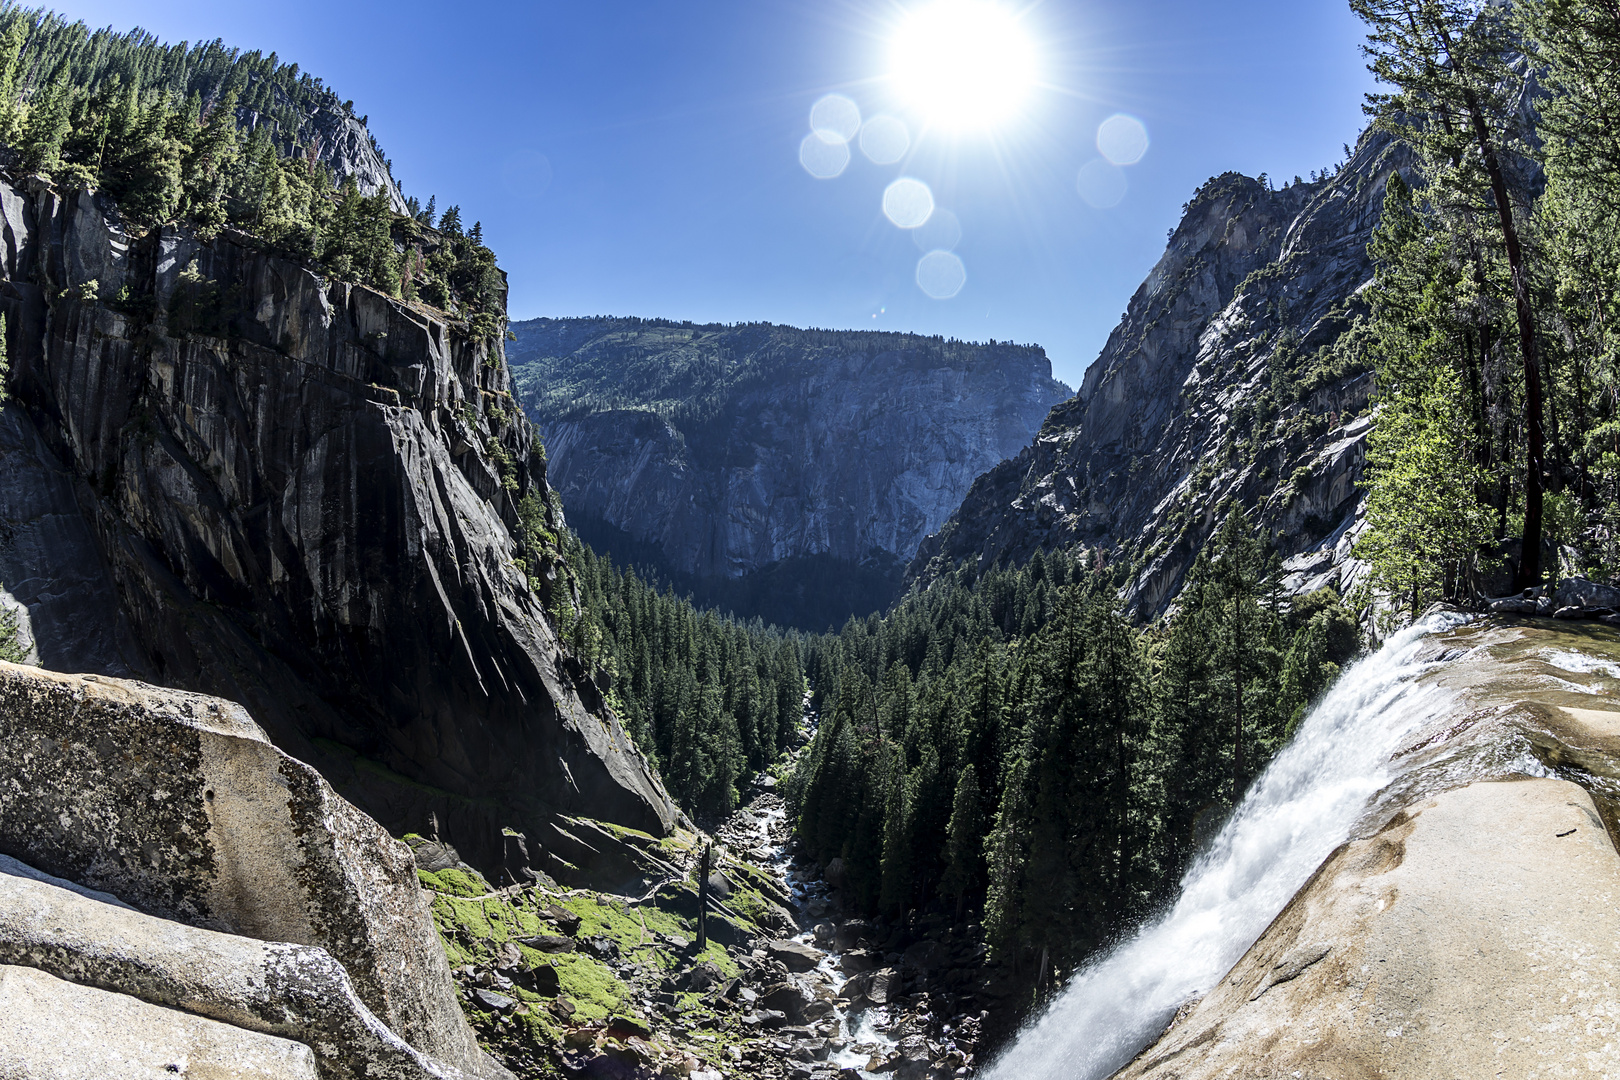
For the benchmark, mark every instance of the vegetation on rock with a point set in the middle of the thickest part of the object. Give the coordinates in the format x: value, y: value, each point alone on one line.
x: 218, y: 139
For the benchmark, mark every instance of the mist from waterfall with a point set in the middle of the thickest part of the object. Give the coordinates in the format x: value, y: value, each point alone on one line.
x: 1294, y: 815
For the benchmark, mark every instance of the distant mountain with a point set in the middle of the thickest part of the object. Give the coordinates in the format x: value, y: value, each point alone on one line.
x: 783, y: 473
x: 1235, y: 375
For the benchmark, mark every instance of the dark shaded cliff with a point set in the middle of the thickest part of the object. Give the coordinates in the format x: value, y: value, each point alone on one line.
x: 1235, y: 375
x: 779, y: 472
x: 300, y: 495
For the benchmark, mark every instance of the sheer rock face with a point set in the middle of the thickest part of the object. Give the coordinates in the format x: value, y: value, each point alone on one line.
x: 341, y: 143
x: 295, y: 488
x: 1163, y: 430
x: 768, y: 443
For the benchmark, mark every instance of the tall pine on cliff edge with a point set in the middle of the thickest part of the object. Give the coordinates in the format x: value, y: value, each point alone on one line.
x: 1456, y: 103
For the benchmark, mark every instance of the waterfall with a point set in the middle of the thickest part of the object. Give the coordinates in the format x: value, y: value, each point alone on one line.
x: 1294, y: 815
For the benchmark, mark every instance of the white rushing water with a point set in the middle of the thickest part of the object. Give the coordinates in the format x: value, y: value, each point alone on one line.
x: 1294, y: 815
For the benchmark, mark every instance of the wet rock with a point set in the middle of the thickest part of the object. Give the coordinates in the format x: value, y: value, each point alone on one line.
x: 883, y: 987
x: 856, y: 961
x: 1482, y: 876
x: 789, y: 999
x: 852, y: 931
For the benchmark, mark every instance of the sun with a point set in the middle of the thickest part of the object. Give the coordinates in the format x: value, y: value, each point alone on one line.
x: 963, y: 64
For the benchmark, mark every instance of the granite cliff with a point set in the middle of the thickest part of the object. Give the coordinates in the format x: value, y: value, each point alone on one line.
x: 226, y: 473
x: 1235, y: 374
x: 784, y: 473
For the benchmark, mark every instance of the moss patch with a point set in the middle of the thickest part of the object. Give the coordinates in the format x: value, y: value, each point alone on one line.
x: 454, y: 882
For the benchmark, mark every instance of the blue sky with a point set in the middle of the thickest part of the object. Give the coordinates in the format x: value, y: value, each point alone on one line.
x: 640, y: 158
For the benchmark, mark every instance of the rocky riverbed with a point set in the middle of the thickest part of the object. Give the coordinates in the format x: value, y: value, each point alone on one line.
x: 790, y: 986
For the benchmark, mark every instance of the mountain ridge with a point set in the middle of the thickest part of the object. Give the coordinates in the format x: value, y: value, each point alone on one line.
x: 734, y: 449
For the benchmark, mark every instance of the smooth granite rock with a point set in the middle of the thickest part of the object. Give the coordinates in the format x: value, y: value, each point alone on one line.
x: 55, y: 1030
x: 290, y: 991
x: 1475, y: 936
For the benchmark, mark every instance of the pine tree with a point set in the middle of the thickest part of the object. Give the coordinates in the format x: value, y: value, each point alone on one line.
x: 964, y: 869
x: 47, y: 125
x: 1455, y: 104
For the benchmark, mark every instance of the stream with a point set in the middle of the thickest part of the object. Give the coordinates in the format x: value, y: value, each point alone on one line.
x: 856, y: 1037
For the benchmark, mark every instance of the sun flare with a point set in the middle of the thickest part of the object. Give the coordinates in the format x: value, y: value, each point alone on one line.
x: 964, y: 64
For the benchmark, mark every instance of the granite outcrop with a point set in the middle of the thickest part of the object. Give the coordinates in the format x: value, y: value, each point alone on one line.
x: 154, y: 845
x: 1233, y: 376
x: 1466, y: 927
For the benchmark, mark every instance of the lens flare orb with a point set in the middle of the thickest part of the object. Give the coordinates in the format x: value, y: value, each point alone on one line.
x: 835, y: 118
x: 885, y: 140
x: 941, y: 274
x: 823, y: 157
x: 908, y: 203
x: 1102, y: 185
x: 1122, y: 139
x: 964, y: 64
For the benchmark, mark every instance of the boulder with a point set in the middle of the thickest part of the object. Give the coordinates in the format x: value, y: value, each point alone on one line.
x: 852, y: 931
x: 796, y: 955
x: 1472, y: 936
x: 858, y: 960
x: 835, y: 872
x: 789, y: 999
x: 883, y: 987
x: 178, y: 805
x: 1579, y: 592
x: 56, y: 1030
x: 293, y: 992
x: 924, y: 956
